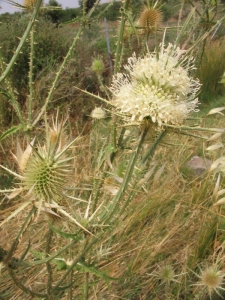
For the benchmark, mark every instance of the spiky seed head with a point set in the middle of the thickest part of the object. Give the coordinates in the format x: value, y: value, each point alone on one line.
x: 30, y: 4
x: 212, y: 279
x: 98, y: 66
x: 45, y: 176
x: 166, y: 274
x: 150, y: 19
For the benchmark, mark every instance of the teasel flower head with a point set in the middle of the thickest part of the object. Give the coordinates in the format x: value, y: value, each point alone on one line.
x: 98, y: 113
x: 157, y: 87
x: 98, y: 66
x: 150, y: 19
x: 211, y: 279
x: 45, y: 172
x: 165, y: 274
x: 29, y: 5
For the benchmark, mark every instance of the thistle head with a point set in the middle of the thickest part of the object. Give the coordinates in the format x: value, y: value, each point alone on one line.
x: 98, y: 113
x: 150, y: 19
x: 47, y: 170
x: 98, y: 66
x: 156, y: 87
x: 212, y: 279
x: 166, y: 274
x: 29, y: 4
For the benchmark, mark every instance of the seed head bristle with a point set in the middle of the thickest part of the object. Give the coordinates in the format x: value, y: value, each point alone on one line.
x: 29, y: 4
x: 150, y: 19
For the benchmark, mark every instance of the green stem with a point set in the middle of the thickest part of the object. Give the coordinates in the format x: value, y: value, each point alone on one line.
x: 47, y: 259
x: 10, y: 95
x: 112, y: 208
x: 151, y: 150
x: 86, y: 286
x: 22, y: 41
x: 120, y: 38
x: 48, y: 265
x: 194, y: 128
x: 58, y: 75
x: 70, y: 279
x: 31, y: 67
x: 112, y: 157
x: 23, y: 288
x: 102, y: 85
x: 79, y: 257
x: 19, y: 235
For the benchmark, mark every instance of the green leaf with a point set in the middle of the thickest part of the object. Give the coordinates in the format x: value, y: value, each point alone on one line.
x: 37, y: 254
x: 81, y: 266
x: 10, y: 131
x: 65, y: 234
x: 5, y: 93
x: 14, y: 103
x: 25, y: 252
x: 71, y: 21
x: 60, y: 263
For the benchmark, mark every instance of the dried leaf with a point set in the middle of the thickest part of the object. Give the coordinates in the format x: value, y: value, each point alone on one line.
x: 221, y: 192
x: 221, y: 201
x: 18, y: 210
x: 216, y: 186
x: 15, y: 193
x: 147, y: 176
x: 215, y: 136
x: 25, y: 156
x: 216, y: 110
x: 215, y: 146
x: 158, y: 174
x: 215, y: 164
x: 111, y: 188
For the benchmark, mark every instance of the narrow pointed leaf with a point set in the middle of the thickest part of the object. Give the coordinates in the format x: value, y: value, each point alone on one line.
x: 147, y: 176
x: 63, y: 212
x: 15, y: 193
x: 11, y: 172
x: 16, y: 212
x: 158, y: 174
x: 215, y: 147
x: 220, y: 202
x: 25, y: 156
x: 215, y: 136
x: 65, y: 234
x: 216, y: 110
x: 10, y: 131
x: 221, y: 192
x: 215, y: 192
x: 92, y: 269
x: 215, y: 164
x: 25, y: 252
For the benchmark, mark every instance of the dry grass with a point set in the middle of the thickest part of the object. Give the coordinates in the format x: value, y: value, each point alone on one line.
x: 211, y: 69
x: 170, y: 223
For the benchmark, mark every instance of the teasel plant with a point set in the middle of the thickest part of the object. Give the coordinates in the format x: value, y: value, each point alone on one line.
x: 28, y: 120
x: 79, y: 190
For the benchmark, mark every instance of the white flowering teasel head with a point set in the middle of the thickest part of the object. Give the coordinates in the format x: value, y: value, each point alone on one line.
x: 157, y: 87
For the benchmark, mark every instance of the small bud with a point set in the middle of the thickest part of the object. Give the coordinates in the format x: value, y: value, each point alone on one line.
x: 98, y: 113
x: 98, y: 66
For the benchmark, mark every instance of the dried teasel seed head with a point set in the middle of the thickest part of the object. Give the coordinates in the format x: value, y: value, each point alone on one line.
x: 212, y: 279
x: 30, y: 4
x: 150, y: 19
